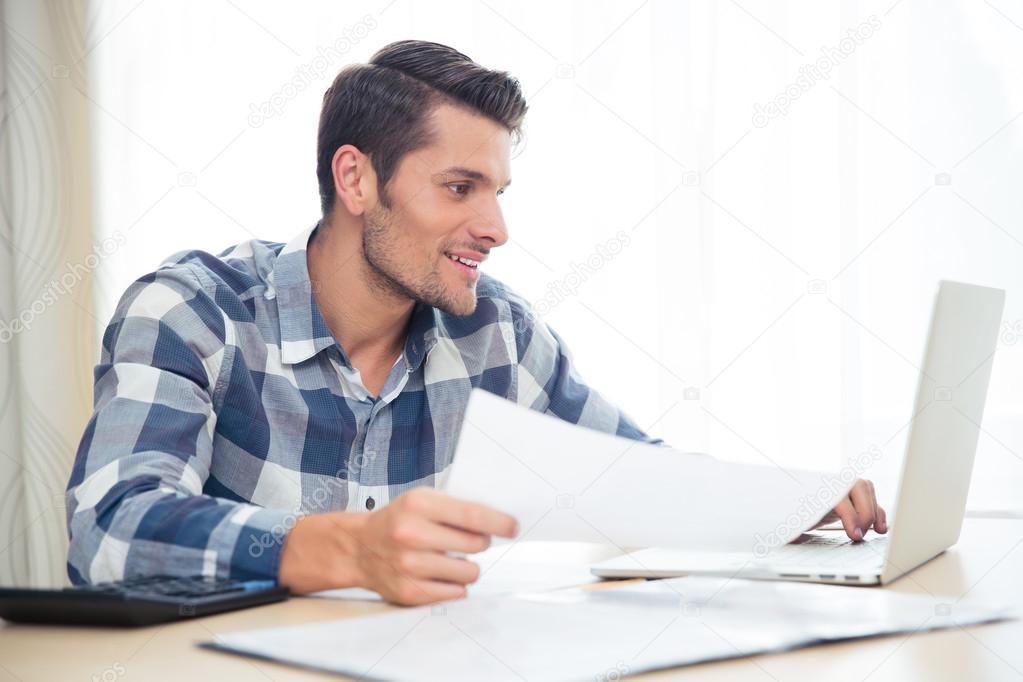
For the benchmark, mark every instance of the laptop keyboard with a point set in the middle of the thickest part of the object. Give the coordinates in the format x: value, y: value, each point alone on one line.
x: 829, y: 550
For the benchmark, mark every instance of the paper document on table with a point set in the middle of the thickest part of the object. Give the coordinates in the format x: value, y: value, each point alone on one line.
x: 566, y: 482
x: 600, y: 634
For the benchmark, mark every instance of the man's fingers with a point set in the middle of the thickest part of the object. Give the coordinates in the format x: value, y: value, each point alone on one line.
x: 880, y: 518
x: 860, y: 510
x: 437, y: 566
x: 470, y: 516
x: 881, y: 522
x: 425, y: 534
x: 862, y: 496
x: 847, y: 515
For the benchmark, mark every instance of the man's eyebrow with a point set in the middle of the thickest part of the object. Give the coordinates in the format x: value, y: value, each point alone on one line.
x: 468, y: 173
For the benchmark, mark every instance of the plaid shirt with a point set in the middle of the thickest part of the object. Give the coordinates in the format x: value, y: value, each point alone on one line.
x: 225, y: 409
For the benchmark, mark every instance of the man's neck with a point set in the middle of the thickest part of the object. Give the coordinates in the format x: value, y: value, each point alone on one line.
x: 370, y: 324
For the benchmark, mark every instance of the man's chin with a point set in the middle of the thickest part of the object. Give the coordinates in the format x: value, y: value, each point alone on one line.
x: 461, y: 307
x: 458, y: 304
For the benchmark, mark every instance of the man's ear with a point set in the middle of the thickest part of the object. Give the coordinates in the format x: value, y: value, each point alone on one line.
x: 354, y: 179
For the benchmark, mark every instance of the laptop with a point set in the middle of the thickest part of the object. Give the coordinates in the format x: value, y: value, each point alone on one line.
x: 935, y: 479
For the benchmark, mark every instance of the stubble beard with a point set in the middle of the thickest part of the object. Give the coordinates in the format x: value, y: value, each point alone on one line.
x: 391, y: 278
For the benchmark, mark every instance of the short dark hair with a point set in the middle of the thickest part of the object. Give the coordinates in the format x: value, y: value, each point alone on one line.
x: 382, y: 107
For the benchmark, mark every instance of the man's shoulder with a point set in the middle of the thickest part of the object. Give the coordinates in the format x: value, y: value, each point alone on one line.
x: 490, y: 289
x: 191, y: 298
x: 496, y: 302
x: 245, y: 269
x: 194, y: 289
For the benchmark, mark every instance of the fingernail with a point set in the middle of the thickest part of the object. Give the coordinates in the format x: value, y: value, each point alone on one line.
x: 858, y: 533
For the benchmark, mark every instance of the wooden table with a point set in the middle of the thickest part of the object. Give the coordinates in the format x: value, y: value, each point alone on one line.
x: 986, y: 565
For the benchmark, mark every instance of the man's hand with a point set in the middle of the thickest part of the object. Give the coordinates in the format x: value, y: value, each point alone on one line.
x: 399, y: 551
x: 858, y: 512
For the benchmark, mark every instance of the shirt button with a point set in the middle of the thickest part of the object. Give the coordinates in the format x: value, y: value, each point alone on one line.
x: 370, y: 503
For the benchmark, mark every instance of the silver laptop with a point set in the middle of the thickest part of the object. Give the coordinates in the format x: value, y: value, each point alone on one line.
x: 935, y: 480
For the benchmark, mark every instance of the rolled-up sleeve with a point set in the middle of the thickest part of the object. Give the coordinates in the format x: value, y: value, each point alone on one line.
x: 135, y: 497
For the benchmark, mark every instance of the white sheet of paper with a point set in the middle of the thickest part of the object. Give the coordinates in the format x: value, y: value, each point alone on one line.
x: 566, y: 482
x: 599, y: 634
x: 517, y: 567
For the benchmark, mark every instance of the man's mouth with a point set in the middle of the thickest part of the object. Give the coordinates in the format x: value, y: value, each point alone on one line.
x: 468, y: 262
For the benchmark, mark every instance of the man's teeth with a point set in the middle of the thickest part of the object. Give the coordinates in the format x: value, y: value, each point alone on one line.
x: 465, y: 261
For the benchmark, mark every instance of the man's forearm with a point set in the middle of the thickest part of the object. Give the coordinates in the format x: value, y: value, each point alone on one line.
x: 139, y: 528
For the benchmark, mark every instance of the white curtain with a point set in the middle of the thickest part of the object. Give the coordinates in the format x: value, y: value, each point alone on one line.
x: 47, y: 255
x: 736, y: 213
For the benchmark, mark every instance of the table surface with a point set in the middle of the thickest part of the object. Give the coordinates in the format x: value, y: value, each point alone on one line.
x: 986, y: 565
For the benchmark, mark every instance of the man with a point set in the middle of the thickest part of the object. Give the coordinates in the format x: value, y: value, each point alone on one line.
x: 282, y: 411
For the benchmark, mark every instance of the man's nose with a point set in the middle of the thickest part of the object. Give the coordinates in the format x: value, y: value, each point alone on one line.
x: 490, y: 227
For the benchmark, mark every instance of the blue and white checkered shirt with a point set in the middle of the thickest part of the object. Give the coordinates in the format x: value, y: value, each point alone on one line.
x: 224, y: 409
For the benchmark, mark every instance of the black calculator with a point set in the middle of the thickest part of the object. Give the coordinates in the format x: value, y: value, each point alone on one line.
x: 136, y: 601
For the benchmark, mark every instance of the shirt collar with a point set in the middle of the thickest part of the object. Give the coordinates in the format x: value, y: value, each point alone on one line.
x: 304, y: 332
x: 422, y: 335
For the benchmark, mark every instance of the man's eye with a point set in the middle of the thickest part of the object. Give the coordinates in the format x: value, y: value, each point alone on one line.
x: 456, y: 186
x: 500, y: 191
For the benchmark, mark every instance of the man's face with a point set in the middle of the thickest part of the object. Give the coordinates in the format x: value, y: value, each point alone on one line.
x: 443, y: 206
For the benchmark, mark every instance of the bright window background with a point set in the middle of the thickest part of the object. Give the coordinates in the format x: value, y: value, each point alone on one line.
x: 770, y: 301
